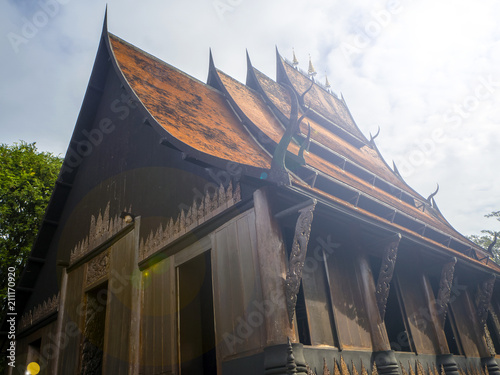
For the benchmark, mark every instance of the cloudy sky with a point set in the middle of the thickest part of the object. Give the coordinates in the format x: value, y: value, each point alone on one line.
x: 426, y: 72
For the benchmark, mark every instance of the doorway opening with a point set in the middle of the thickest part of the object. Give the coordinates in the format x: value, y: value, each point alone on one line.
x: 196, y: 317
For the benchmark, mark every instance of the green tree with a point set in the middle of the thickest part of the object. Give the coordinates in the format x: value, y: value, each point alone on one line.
x: 489, y: 237
x: 27, y: 178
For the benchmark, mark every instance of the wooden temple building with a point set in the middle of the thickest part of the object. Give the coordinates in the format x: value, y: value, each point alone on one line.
x: 243, y: 229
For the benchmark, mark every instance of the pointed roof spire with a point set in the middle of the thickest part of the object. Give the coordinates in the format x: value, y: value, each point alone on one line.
x: 311, y: 71
x: 295, y: 62
x: 327, y: 83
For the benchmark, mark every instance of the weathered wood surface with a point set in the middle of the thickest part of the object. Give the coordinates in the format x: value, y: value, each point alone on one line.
x: 349, y: 309
x: 240, y: 313
x: 271, y: 254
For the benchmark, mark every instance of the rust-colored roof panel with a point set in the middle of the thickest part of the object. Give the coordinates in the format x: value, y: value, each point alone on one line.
x: 200, y: 117
x: 253, y: 107
x: 322, y: 102
x: 189, y: 110
x: 365, y: 156
x: 275, y: 92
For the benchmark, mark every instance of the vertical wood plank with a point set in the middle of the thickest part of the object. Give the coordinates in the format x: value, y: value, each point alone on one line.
x: 319, y: 314
x: 417, y: 310
x: 271, y: 252
x: 73, y: 317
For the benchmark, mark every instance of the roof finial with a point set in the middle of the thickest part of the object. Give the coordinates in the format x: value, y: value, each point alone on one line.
x: 311, y: 71
x: 327, y: 83
x: 295, y: 61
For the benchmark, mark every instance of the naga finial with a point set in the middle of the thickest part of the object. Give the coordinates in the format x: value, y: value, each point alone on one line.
x: 431, y: 197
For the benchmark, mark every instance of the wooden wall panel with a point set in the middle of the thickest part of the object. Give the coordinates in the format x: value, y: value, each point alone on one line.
x: 158, y: 332
x: 74, y: 314
x: 348, y: 306
x: 319, y: 312
x: 48, y: 348
x: 417, y: 310
x: 118, y: 311
x: 462, y: 309
x: 239, y: 311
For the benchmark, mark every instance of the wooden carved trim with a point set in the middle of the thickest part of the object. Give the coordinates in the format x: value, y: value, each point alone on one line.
x: 297, y: 257
x: 186, y: 221
x: 97, y: 268
x: 101, y: 229
x: 364, y: 371
x: 489, y: 342
x: 39, y: 312
x: 483, y: 299
x: 445, y: 285
x: 386, y: 273
x: 343, y: 367
x: 354, y: 370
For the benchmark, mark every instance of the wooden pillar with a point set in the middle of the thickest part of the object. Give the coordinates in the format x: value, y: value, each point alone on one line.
x: 271, y: 253
x: 383, y: 356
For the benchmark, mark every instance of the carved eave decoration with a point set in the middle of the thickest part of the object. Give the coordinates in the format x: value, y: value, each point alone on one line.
x: 297, y: 257
x: 188, y: 220
x: 386, y: 273
x: 445, y: 285
x: 101, y: 230
x: 484, y: 294
x: 39, y: 313
x: 97, y: 268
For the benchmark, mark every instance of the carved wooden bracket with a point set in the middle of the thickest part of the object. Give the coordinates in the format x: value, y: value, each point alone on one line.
x: 445, y: 285
x: 297, y: 257
x: 386, y: 273
x: 279, y: 172
x: 484, y: 298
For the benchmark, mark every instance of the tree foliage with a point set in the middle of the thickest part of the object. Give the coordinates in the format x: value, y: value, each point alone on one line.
x: 488, y: 237
x: 27, y: 178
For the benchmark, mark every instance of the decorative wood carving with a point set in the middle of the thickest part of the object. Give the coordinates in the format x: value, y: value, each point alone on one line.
x: 363, y: 369
x: 483, y: 299
x: 354, y: 370
x: 297, y: 257
x: 336, y: 370
x: 386, y: 273
x: 343, y: 367
x: 98, y: 267
x: 410, y: 367
x: 403, y: 370
x: 326, y: 371
x: 39, y: 313
x: 489, y: 342
x: 445, y: 285
x: 374, y: 369
x: 420, y: 369
x: 279, y: 173
x: 309, y: 370
x: 101, y: 230
x: 186, y: 221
